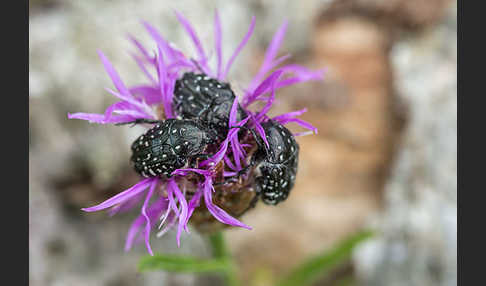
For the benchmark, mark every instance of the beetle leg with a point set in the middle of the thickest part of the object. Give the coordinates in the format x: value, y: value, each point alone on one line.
x: 197, y: 65
x: 139, y: 121
x: 203, y: 156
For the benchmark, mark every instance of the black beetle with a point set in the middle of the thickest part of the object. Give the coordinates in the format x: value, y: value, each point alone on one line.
x: 205, y: 98
x: 169, y: 145
x: 276, y: 165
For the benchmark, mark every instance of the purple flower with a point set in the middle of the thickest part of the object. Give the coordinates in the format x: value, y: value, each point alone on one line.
x: 171, y: 202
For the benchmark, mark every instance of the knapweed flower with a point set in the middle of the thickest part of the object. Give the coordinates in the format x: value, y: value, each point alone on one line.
x: 201, y: 190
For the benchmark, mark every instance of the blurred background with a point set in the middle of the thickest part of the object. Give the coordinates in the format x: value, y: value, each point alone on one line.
x: 384, y: 158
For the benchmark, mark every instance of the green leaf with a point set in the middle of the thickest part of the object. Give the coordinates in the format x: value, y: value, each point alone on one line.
x: 177, y: 263
x: 317, y: 267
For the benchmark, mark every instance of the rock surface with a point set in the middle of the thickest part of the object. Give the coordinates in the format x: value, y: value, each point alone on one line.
x: 418, y: 241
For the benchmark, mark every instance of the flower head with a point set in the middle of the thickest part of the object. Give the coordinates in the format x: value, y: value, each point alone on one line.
x: 172, y: 200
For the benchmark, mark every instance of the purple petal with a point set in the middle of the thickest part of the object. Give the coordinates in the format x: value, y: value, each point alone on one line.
x: 133, y: 231
x: 114, y: 75
x: 217, y: 212
x: 262, y: 88
x: 122, y: 197
x: 142, y: 67
x: 184, y: 209
x: 169, y: 94
x: 180, y: 64
x: 291, y: 114
x: 166, y: 215
x: 260, y: 131
x: 195, y: 39
x: 193, y: 204
x: 217, y: 44
x: 236, y: 154
x: 303, y: 72
x: 171, y: 221
x: 100, y: 118
x: 229, y: 174
x: 141, y: 48
x: 126, y: 206
x: 303, y: 133
x: 132, y: 103
x: 124, y: 107
x: 162, y: 71
x: 172, y: 203
x: 278, y: 61
x: 172, y: 53
x: 150, y: 94
x: 270, y: 55
x: 301, y: 122
x: 216, y: 158
x: 240, y: 47
x: 233, y: 112
x: 147, y: 219
x: 270, y: 101
x: 229, y: 163
x: 154, y: 212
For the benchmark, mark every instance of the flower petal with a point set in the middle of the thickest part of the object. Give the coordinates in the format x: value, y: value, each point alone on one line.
x: 123, y: 196
x: 270, y: 54
x: 195, y: 39
x: 126, y: 206
x: 217, y: 44
x: 262, y: 88
x: 141, y: 65
x: 153, y: 212
x: 150, y: 94
x: 172, y: 53
x: 239, y: 48
x: 291, y: 114
x: 270, y: 101
x: 193, y: 204
x: 114, y: 75
x: 216, y: 211
x: 100, y: 118
x: 301, y: 122
x: 147, y: 219
x: 260, y: 131
x: 184, y: 209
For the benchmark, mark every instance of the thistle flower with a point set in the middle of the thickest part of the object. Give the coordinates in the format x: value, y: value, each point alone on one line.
x: 172, y: 201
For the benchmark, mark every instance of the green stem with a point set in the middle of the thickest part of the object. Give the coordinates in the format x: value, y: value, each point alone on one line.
x: 220, y: 251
